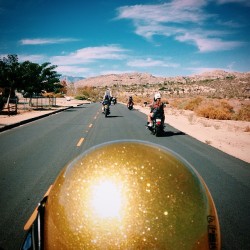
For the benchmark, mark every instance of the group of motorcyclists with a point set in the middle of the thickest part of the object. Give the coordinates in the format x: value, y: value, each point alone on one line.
x: 156, y: 107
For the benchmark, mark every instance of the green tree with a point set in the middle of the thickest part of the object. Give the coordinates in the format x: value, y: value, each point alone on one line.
x: 9, y: 76
x: 37, y: 79
x: 28, y: 77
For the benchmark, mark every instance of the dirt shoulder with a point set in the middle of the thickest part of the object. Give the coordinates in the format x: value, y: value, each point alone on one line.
x: 229, y: 136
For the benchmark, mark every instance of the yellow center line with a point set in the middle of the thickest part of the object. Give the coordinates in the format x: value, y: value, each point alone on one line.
x: 90, y: 125
x: 80, y: 142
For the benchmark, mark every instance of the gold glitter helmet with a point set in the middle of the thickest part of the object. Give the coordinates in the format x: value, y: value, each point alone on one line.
x: 130, y: 195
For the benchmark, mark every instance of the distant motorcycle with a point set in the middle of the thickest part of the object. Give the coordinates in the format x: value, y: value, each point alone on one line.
x: 130, y: 105
x: 114, y: 100
x: 106, y: 107
x: 106, y: 110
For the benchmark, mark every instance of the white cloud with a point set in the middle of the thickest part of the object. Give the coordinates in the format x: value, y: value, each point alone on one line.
x: 205, y: 70
x: 149, y: 62
x: 183, y: 20
x: 244, y: 2
x: 177, y: 11
x: 41, y: 41
x: 90, y: 54
x: 72, y: 70
x: 110, y: 72
x: 32, y: 58
x: 206, y: 44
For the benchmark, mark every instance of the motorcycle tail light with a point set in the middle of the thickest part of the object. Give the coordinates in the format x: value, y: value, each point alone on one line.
x: 158, y: 121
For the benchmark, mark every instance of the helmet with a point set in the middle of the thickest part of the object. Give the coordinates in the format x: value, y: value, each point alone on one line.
x: 130, y: 195
x: 157, y: 95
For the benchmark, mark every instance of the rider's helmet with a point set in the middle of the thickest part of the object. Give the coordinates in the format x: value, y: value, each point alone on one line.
x: 157, y: 96
x: 130, y: 195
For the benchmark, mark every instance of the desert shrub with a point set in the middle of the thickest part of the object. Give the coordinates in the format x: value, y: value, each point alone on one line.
x: 87, y: 92
x: 80, y: 97
x: 193, y: 103
x: 177, y: 103
x: 220, y: 110
x: 243, y: 114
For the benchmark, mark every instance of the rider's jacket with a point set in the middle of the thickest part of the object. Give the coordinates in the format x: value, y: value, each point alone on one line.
x: 157, y: 109
x: 130, y: 101
x: 105, y: 102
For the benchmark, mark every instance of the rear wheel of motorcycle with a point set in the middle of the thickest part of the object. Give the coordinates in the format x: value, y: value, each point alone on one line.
x: 106, y: 113
x: 157, y: 131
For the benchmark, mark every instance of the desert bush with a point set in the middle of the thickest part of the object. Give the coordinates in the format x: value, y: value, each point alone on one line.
x: 177, y: 103
x: 80, y: 97
x: 87, y: 92
x: 193, y: 103
x: 220, y: 110
x: 243, y: 114
x: 210, y: 108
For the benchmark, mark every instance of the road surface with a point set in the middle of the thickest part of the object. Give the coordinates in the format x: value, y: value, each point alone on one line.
x: 32, y: 155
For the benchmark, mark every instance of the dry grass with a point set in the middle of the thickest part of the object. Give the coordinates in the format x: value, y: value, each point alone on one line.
x: 193, y: 104
x: 87, y: 92
x: 243, y: 113
x: 220, y: 109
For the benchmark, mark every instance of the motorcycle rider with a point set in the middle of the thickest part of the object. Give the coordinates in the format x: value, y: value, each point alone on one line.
x: 126, y: 195
x: 130, y: 101
x: 108, y: 94
x: 106, y: 101
x: 156, y: 108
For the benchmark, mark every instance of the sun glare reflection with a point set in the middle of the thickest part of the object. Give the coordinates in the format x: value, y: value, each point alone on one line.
x: 106, y: 199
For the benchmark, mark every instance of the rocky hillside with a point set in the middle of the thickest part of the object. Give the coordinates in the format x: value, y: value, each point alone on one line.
x: 218, y: 84
x: 145, y: 78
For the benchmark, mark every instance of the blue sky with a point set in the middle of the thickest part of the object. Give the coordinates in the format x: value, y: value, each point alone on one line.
x: 98, y: 37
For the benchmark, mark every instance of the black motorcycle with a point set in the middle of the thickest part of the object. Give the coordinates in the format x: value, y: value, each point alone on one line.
x: 130, y: 105
x: 106, y: 109
x: 157, y: 128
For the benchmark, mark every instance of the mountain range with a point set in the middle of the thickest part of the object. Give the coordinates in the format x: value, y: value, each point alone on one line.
x: 146, y: 78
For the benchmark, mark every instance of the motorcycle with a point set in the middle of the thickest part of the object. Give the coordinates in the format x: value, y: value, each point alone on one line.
x: 130, y: 105
x: 114, y: 100
x: 106, y: 110
x: 105, y: 107
x: 157, y: 128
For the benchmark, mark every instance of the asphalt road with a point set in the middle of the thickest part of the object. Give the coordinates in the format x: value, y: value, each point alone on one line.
x: 32, y: 155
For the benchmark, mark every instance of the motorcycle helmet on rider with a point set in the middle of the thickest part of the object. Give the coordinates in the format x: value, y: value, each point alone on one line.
x: 129, y: 195
x: 157, y: 96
